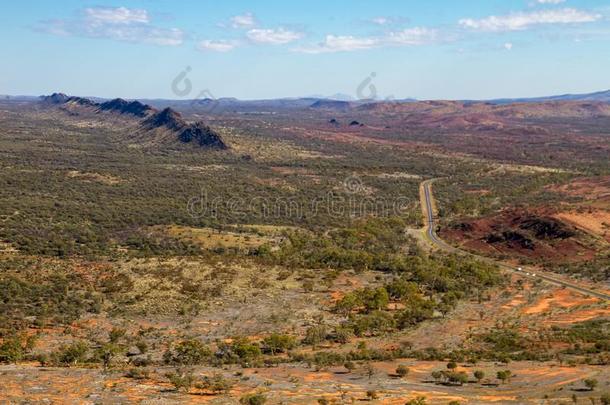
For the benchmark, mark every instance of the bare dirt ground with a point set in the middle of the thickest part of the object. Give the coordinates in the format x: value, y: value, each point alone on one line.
x: 297, y: 384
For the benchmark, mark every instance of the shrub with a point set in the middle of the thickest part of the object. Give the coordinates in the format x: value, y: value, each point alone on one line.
x: 181, y: 380
x: 253, y: 399
x: 277, y: 343
x: 138, y: 373
x: 188, y: 353
x: 315, y: 335
x: 402, y: 371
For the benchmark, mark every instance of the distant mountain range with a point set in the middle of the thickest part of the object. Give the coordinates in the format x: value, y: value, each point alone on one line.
x: 300, y: 102
x: 600, y: 96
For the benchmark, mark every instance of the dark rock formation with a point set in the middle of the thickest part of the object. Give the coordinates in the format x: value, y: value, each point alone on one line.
x: 55, y: 98
x: 187, y: 133
x: 331, y: 105
x: 203, y: 135
x: 126, y: 107
x: 547, y: 228
x: 166, y: 118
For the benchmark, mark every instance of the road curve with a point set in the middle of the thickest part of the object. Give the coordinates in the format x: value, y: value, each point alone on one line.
x: 428, y: 211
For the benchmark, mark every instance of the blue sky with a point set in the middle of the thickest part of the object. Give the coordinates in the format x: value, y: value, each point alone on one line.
x: 434, y: 49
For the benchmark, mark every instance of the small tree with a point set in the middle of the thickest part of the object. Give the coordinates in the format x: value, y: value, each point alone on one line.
x: 437, y: 375
x: 370, y: 370
x: 504, y: 375
x: 188, y: 352
x: 479, y: 375
x: 11, y: 350
x: 417, y: 401
x: 372, y: 394
x: 349, y: 366
x: 591, y: 383
x: 452, y: 365
x: 460, y: 378
x: 402, y: 371
x: 106, y: 353
x: 315, y: 335
x: 277, y: 343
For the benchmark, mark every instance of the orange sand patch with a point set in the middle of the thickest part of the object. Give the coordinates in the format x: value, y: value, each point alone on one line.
x: 559, y: 298
x: 515, y: 302
x: 578, y: 316
x: 497, y: 398
x: 595, y: 222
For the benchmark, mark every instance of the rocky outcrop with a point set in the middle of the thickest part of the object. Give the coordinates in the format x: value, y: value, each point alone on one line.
x: 127, y: 107
x: 198, y: 132
x: 165, y: 120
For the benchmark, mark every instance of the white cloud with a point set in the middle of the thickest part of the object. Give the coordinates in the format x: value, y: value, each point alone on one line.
x: 508, y: 46
x: 246, y: 20
x: 341, y: 43
x: 521, y: 21
x: 413, y: 36
x: 380, y: 20
x: 278, y: 36
x: 119, y: 15
x: 119, y: 24
x: 217, y: 45
x: 346, y: 43
x: 551, y: 1
x: 387, y: 20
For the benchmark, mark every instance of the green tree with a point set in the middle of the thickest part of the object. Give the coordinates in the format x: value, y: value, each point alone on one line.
x: 11, y: 350
x: 504, y: 375
x: 349, y: 366
x: 189, y: 352
x: 106, y: 353
x: 479, y: 375
x: 277, y: 343
x: 315, y: 335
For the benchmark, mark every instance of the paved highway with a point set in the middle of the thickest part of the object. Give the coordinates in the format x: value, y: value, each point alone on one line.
x: 426, y: 189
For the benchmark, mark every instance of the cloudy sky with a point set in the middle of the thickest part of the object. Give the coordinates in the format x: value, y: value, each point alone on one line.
x: 433, y: 49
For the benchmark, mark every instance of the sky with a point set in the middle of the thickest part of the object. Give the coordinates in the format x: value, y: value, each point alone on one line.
x: 388, y: 49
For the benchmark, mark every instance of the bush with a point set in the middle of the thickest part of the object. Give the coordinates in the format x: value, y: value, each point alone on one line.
x: 315, y: 335
x: 138, y: 373
x: 277, y: 343
x: 253, y: 399
x: 11, y: 351
x: 402, y: 371
x: 188, y: 353
x: 70, y: 355
x: 181, y: 380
